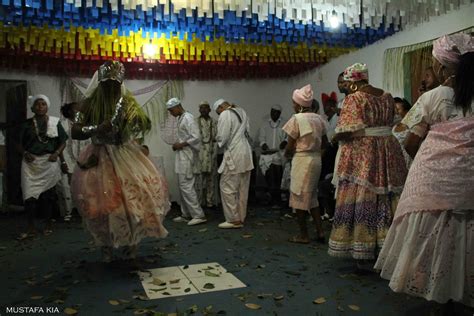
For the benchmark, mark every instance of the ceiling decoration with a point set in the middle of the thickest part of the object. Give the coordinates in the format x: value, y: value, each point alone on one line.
x: 199, y: 38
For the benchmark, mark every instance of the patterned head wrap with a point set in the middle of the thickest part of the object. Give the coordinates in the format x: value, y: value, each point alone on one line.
x: 356, y: 72
x: 33, y: 98
x: 304, y: 96
x: 112, y: 70
x: 448, y: 48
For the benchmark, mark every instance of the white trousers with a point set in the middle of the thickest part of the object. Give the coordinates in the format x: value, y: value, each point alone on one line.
x: 64, y: 196
x: 190, y: 206
x: 234, y: 195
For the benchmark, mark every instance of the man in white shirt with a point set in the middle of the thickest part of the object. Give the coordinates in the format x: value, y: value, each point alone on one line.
x: 326, y: 189
x: 232, y: 135
x: 206, y: 184
x: 272, y: 140
x: 187, y: 151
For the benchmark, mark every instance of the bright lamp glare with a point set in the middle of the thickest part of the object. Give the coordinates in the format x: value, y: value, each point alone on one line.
x: 149, y: 50
x: 334, y: 20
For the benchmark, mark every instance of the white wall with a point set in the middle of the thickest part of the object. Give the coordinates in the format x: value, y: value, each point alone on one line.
x: 257, y: 96
x: 324, y: 78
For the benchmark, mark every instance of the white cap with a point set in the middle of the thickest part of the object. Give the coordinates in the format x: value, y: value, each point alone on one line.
x: 277, y: 107
x: 33, y: 98
x: 172, y: 103
x: 203, y: 103
x: 217, y: 103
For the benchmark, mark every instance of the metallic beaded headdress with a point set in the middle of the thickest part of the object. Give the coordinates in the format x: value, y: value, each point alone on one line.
x: 112, y: 70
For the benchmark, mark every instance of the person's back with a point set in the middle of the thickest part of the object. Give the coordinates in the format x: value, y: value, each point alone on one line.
x: 233, y: 128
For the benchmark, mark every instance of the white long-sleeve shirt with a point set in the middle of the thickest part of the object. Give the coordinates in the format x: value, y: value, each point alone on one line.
x: 231, y: 136
x: 188, y: 131
x: 272, y: 134
x: 332, y: 126
x: 73, y: 146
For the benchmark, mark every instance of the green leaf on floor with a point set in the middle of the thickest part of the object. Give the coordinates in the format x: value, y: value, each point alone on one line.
x: 253, y: 306
x: 193, y: 309
x: 320, y: 300
x: 114, y: 302
x: 354, y: 307
x: 70, y: 311
x: 158, y: 282
x: 210, y: 274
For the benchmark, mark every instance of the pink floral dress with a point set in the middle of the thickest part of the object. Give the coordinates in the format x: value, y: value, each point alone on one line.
x: 371, y: 172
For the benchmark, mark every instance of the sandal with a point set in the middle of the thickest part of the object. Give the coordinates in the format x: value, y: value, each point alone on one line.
x: 298, y: 240
x: 47, y: 232
x: 24, y: 236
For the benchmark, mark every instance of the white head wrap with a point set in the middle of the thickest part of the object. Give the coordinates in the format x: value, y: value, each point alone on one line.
x: 32, y: 99
x: 277, y: 107
x: 172, y: 103
x: 218, y: 103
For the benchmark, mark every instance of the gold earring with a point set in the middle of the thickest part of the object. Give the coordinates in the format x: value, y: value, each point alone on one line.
x: 353, y: 87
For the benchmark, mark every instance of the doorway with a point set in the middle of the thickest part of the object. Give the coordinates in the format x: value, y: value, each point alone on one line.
x: 13, y: 97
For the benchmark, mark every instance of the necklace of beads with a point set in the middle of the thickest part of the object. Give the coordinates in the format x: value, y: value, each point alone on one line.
x: 35, y: 123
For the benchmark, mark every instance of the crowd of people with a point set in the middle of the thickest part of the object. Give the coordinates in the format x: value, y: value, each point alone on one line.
x: 395, y: 180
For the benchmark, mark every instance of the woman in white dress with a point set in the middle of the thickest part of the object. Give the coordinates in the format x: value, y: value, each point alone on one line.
x: 429, y: 249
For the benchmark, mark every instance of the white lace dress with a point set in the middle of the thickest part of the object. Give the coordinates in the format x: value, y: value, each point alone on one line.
x: 429, y: 249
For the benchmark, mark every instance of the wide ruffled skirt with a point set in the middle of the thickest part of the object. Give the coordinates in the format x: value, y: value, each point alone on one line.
x: 124, y: 198
x: 431, y: 255
x: 361, y: 221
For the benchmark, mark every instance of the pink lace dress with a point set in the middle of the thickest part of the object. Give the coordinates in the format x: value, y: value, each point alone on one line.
x: 429, y: 249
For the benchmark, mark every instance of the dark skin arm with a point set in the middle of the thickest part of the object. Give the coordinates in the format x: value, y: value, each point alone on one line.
x: 54, y: 156
x: 76, y: 130
x: 412, y: 144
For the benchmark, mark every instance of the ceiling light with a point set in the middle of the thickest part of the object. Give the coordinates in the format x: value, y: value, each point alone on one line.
x: 149, y: 50
x: 334, y: 20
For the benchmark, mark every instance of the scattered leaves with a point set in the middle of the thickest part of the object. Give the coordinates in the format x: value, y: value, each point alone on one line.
x: 247, y: 236
x: 185, y: 267
x: 209, y: 286
x: 70, y: 311
x: 157, y: 281
x: 340, y: 308
x: 210, y: 274
x: 278, y: 297
x: 174, y: 281
x: 253, y: 306
x: 36, y: 297
x: 114, y: 302
x: 187, y: 290
x: 319, y: 300
x: 193, y: 309
x: 202, y: 230
x: 140, y: 297
x: 354, y: 307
